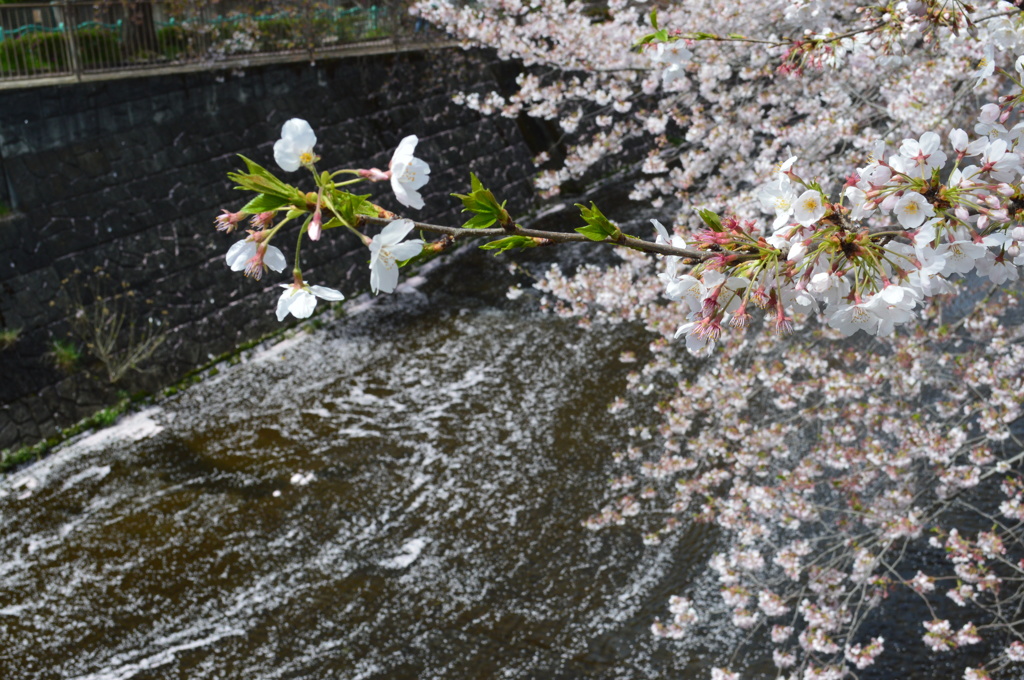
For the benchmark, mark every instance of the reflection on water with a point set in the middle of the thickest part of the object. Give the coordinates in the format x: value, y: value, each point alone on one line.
x: 398, y: 495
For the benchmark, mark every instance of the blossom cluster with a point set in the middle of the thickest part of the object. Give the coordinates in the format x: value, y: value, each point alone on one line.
x: 847, y: 257
x: 720, y: 109
x: 294, y: 150
x: 716, y: 111
x: 825, y: 472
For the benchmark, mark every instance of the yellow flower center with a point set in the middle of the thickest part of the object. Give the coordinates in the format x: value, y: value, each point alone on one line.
x: 306, y: 157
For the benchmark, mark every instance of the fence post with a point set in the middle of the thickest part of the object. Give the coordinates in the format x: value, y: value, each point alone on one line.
x: 71, y: 38
x: 394, y: 20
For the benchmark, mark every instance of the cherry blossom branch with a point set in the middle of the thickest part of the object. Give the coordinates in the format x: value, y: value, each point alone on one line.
x: 822, y: 464
x: 711, y: 37
x: 553, y: 237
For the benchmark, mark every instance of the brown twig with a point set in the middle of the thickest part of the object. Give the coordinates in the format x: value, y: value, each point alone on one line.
x: 633, y: 243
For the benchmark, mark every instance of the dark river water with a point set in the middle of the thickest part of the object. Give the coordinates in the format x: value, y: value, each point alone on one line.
x: 396, y: 495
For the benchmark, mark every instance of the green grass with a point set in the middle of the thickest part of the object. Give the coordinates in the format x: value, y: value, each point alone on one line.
x: 100, y: 419
x: 45, y: 52
x: 9, y: 336
x: 26, y: 454
x: 65, y: 355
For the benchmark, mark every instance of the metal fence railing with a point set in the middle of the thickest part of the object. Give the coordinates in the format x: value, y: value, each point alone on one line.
x: 76, y: 37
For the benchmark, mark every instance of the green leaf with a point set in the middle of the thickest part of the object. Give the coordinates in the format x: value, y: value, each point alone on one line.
x: 478, y: 199
x: 254, y: 183
x: 593, y: 233
x: 257, y: 170
x: 481, y: 202
x: 481, y: 221
x: 598, y: 227
x: 654, y: 18
x: 711, y: 219
x: 510, y: 242
x: 262, y: 181
x: 264, y: 203
x: 659, y: 36
x: 348, y: 207
x: 647, y: 39
x: 254, y: 167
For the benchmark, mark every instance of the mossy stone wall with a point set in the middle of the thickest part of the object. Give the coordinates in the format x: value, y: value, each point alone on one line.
x: 126, y: 176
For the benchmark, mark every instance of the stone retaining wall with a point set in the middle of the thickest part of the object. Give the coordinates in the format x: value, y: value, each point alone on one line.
x: 127, y: 176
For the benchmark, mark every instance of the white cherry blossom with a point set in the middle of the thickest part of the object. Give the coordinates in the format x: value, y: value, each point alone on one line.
x: 963, y: 146
x: 986, y: 67
x: 779, y: 197
x: 919, y: 157
x: 961, y: 253
x: 408, y: 173
x: 673, y: 53
x: 928, y: 278
x: 809, y: 208
x: 1002, y: 165
x: 253, y: 258
x: 989, y: 123
x: 848, y: 319
x: 299, y: 299
x: 387, y: 250
x: 912, y: 209
x: 295, y: 148
x: 860, y: 206
x: 998, y: 268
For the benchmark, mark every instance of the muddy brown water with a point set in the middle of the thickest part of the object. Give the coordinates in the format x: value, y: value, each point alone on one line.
x: 398, y: 494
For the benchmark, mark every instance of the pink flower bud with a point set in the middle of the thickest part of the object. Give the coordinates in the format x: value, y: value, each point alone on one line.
x: 314, y: 230
x: 262, y: 220
x: 375, y: 174
x: 227, y: 221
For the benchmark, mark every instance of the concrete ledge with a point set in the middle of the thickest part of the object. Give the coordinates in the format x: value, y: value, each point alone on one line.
x: 242, y: 61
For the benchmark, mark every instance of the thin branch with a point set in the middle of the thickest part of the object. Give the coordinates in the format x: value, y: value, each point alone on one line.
x: 550, y: 237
